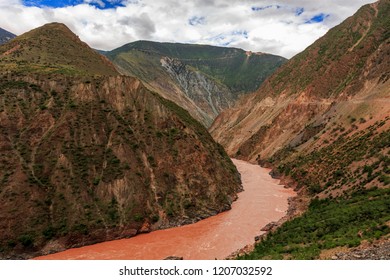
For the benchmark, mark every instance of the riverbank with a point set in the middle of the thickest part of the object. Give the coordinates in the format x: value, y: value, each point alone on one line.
x: 263, y: 200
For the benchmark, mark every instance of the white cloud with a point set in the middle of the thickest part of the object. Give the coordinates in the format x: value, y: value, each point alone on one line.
x: 263, y: 25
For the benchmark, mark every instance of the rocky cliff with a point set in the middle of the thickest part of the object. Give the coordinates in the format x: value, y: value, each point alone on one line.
x: 88, y: 155
x: 209, y: 95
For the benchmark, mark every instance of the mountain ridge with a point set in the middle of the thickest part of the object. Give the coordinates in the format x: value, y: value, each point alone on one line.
x: 231, y: 72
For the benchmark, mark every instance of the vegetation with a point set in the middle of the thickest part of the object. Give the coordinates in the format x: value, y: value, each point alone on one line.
x: 351, y: 174
x: 349, y: 163
x: 327, y: 224
x: 230, y: 66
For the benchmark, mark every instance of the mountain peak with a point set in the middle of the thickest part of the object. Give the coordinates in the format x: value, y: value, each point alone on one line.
x: 53, y: 47
x: 59, y: 27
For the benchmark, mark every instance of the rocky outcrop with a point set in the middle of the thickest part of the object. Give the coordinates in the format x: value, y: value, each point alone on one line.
x: 174, y: 258
x: 210, y: 96
x: 377, y: 251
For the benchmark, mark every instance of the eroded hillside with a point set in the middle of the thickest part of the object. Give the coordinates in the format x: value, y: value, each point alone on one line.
x: 343, y: 76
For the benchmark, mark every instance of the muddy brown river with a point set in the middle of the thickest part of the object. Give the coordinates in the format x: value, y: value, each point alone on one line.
x: 262, y: 201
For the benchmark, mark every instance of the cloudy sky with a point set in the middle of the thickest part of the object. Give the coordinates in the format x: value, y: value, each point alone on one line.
x: 283, y: 27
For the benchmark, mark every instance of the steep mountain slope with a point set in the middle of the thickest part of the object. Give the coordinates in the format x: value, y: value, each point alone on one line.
x: 87, y: 155
x: 5, y: 36
x: 322, y: 121
x: 202, y: 79
x: 342, y: 76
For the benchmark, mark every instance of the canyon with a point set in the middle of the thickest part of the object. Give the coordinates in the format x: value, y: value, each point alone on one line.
x: 132, y: 150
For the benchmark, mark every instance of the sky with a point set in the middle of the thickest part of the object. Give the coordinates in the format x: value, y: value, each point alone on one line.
x: 284, y: 27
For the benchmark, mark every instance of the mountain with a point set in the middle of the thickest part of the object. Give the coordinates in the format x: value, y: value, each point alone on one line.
x: 53, y: 49
x: 88, y: 155
x: 202, y: 79
x: 5, y: 36
x: 322, y: 122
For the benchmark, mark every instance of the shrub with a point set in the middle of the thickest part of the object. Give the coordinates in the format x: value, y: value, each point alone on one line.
x: 26, y: 240
x: 138, y: 218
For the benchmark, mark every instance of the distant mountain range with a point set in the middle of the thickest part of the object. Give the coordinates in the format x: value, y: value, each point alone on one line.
x: 202, y: 79
x: 88, y: 155
x: 5, y: 36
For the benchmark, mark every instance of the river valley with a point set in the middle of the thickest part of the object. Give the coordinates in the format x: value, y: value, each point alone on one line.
x: 262, y: 201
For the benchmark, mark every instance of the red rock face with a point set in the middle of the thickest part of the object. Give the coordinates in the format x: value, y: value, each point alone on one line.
x: 262, y: 201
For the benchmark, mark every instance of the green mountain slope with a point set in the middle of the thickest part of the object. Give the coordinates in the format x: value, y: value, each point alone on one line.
x: 87, y: 155
x: 240, y: 71
x: 217, y: 76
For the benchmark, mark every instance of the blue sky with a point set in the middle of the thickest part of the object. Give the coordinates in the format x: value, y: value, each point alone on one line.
x: 283, y: 27
x: 100, y: 4
x: 317, y: 18
x: 50, y: 3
